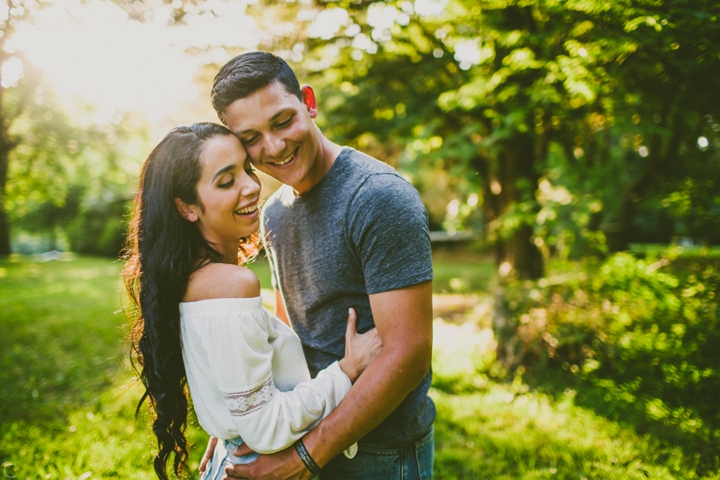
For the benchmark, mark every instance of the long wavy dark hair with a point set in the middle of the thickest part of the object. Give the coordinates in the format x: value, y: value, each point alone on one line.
x: 163, y: 250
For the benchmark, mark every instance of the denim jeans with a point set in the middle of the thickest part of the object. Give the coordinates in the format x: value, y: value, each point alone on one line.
x: 223, y: 457
x: 412, y: 461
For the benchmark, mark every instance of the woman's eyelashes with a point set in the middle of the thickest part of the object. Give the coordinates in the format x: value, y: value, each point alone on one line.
x: 227, y: 184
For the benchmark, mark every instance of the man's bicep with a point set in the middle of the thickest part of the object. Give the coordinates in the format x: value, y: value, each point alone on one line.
x: 389, y: 229
x: 404, y: 316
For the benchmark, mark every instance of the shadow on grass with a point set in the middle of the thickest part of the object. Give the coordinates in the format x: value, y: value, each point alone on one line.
x: 499, y: 434
x: 688, y: 439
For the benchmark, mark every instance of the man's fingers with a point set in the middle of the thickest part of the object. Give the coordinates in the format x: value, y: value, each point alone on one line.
x: 352, y: 323
x: 243, y: 449
x: 208, y: 454
x: 236, y: 471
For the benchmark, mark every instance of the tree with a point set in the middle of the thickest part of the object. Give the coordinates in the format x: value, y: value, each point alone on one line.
x: 10, y: 108
x: 503, y: 93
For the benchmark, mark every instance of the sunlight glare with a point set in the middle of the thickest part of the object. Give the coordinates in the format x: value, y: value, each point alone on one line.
x: 95, y: 52
x: 12, y: 72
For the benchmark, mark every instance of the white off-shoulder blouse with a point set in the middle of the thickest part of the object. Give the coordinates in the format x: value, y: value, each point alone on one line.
x: 248, y: 376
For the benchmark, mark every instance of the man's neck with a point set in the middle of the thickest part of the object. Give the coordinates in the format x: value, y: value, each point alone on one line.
x: 327, y: 155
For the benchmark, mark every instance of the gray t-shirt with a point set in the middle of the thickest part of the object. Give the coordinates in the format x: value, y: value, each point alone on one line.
x: 361, y: 230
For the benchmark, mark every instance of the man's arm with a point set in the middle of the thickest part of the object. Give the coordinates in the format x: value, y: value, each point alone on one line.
x: 403, y: 318
x: 404, y: 321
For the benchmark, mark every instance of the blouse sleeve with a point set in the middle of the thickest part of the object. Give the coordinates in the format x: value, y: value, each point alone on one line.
x: 240, y: 360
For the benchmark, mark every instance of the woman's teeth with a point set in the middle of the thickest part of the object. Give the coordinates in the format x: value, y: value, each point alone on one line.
x: 247, y: 210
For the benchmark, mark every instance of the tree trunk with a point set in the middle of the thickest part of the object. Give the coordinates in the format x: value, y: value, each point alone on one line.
x: 4, y: 221
x: 513, y: 181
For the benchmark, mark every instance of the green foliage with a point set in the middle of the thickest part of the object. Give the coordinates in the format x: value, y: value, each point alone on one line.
x: 100, y: 230
x: 480, y: 103
x: 65, y: 173
x: 640, y: 341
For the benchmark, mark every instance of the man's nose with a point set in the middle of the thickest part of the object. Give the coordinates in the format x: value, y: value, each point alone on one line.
x: 274, y: 145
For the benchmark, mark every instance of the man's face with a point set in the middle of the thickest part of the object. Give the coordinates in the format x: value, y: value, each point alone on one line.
x: 278, y: 131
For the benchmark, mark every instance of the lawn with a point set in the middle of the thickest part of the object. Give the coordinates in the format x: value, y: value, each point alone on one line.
x: 67, y: 398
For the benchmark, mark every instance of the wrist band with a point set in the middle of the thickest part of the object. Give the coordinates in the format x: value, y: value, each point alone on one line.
x: 306, y: 458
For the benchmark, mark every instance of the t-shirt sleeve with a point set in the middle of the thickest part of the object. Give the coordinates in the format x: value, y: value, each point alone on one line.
x: 240, y: 360
x: 388, y: 226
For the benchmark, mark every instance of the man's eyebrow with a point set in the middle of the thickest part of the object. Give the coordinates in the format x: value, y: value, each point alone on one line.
x: 272, y: 119
x: 223, y: 170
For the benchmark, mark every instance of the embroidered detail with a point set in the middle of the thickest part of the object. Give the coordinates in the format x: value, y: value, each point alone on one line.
x: 246, y: 402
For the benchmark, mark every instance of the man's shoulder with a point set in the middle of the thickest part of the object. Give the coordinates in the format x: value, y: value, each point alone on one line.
x: 366, y: 165
x: 276, y: 197
x: 374, y: 177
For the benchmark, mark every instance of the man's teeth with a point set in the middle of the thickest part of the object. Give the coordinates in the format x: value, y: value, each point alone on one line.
x: 286, y: 160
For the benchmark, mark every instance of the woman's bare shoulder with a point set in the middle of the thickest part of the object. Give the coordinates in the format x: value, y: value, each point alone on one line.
x: 222, y: 280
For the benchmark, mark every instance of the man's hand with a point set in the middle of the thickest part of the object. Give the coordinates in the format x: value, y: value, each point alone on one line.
x: 209, y: 451
x: 285, y: 464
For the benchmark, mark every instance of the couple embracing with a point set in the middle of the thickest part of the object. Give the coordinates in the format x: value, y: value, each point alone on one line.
x: 299, y: 393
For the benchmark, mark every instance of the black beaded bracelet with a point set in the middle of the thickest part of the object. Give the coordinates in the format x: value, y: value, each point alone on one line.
x: 306, y: 458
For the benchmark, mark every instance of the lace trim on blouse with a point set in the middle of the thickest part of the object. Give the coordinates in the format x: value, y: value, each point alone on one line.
x: 245, y: 402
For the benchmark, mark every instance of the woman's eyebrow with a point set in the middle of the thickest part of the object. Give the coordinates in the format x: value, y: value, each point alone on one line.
x: 223, y: 170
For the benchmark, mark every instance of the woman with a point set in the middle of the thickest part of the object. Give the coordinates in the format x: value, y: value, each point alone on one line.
x: 199, y: 315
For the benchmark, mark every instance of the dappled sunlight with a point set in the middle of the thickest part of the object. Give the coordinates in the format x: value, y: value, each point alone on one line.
x: 506, y: 435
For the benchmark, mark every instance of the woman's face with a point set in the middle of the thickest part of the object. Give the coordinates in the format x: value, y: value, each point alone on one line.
x: 228, y: 191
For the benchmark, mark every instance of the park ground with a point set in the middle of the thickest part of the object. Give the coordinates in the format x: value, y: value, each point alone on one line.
x: 67, y: 394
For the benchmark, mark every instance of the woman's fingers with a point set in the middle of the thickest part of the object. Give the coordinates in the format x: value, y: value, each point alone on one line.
x: 208, y: 454
x: 351, y: 323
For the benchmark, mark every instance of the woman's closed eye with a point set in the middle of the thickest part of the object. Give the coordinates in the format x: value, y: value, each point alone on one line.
x: 227, y: 184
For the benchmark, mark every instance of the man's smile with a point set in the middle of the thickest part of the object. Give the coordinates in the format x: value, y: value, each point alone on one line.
x: 285, y: 161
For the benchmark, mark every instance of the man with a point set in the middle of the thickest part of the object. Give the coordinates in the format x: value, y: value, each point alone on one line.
x: 345, y: 230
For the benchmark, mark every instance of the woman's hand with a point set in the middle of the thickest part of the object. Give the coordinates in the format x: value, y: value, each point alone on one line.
x: 208, y: 454
x: 360, y: 348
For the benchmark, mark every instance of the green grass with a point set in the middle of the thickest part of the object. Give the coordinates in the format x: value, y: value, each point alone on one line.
x: 462, y: 272
x: 67, y: 401
x: 509, y: 431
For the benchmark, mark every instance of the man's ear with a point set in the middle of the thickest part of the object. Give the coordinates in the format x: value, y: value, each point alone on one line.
x: 308, y: 99
x: 186, y: 211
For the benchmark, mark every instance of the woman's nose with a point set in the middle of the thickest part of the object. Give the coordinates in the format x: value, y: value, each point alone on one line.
x: 249, y: 185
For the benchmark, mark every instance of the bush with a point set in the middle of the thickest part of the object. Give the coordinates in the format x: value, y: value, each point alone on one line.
x: 640, y: 343
x: 100, y: 230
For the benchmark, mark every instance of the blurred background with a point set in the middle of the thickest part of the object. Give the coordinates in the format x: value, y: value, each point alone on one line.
x: 568, y: 157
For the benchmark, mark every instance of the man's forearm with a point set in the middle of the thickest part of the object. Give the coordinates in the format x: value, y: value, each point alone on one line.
x: 376, y: 394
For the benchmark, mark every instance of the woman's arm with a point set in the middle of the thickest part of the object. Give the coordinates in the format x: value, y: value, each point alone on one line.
x: 240, y: 358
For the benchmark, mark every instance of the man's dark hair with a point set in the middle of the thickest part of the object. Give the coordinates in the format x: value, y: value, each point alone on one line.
x: 247, y: 73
